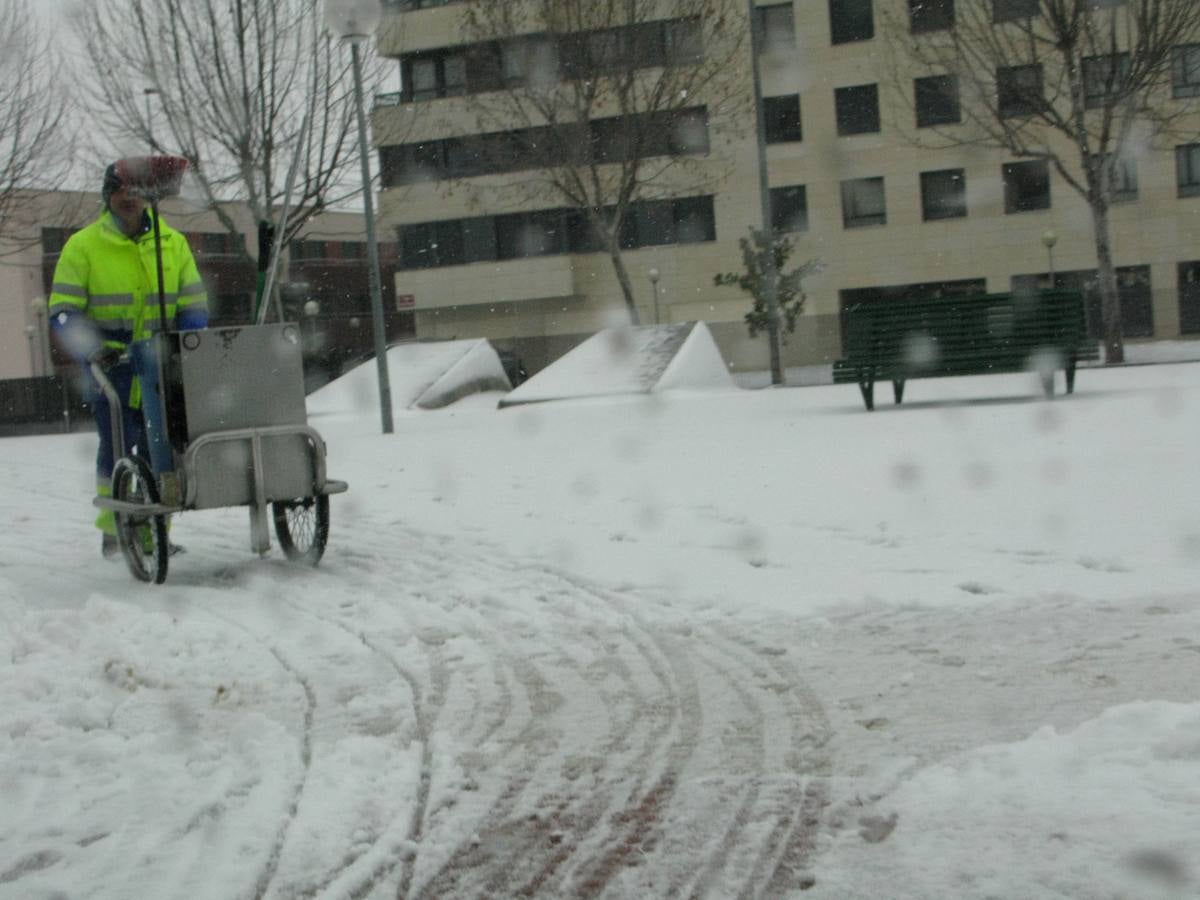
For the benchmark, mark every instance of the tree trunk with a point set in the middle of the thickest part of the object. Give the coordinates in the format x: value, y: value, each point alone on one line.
x: 1110, y: 300
x: 614, y: 253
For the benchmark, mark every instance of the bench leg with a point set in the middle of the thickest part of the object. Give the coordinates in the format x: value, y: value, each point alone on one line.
x: 898, y: 391
x: 1048, y: 383
x: 1070, y: 373
x: 868, y: 393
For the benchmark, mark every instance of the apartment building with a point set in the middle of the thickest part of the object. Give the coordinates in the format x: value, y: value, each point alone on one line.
x: 851, y: 180
x: 325, y: 272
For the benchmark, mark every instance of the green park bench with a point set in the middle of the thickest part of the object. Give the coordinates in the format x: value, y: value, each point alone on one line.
x: 895, y: 340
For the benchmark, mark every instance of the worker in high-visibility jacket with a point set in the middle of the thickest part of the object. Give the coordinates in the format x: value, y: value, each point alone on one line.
x: 105, y: 297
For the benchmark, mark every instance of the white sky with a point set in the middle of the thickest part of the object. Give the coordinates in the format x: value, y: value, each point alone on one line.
x: 650, y: 645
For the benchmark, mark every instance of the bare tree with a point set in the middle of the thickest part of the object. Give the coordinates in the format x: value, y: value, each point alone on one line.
x: 599, y: 104
x: 1081, y: 84
x: 35, y: 153
x: 231, y: 83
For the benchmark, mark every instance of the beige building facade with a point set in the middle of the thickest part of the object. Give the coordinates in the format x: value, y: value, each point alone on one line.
x: 860, y: 189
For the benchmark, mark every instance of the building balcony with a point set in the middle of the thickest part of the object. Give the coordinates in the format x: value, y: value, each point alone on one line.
x: 481, y: 284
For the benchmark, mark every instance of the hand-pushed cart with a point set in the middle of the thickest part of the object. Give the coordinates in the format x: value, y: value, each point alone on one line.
x: 226, y: 426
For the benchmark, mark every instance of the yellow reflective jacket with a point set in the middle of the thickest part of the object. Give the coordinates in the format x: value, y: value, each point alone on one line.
x: 112, y: 280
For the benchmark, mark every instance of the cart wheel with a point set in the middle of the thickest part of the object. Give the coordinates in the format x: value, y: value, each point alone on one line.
x: 302, y: 527
x: 143, y: 538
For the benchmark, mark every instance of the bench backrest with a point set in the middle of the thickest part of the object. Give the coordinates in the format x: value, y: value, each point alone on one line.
x: 966, y: 334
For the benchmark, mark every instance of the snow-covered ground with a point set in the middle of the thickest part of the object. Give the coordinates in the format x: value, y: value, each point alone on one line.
x: 721, y: 644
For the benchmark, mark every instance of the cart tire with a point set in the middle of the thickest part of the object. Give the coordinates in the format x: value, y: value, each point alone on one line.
x: 302, y: 527
x: 143, y: 539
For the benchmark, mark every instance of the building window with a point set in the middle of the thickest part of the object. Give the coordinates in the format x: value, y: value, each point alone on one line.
x: 781, y: 119
x: 777, y: 27
x: 409, y: 5
x: 930, y: 15
x: 1136, y: 299
x: 857, y: 109
x: 789, y: 209
x: 1104, y: 78
x: 943, y: 194
x: 1124, y: 179
x: 936, y: 100
x: 1019, y: 90
x: 54, y: 239
x: 439, y: 73
x: 1189, y: 297
x: 851, y: 20
x: 1010, y: 10
x: 1026, y: 186
x: 455, y: 242
x: 1187, y: 170
x: 682, y: 42
x: 863, y: 202
x: 1185, y: 71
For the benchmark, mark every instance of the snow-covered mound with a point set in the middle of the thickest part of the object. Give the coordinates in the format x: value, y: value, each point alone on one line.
x: 425, y: 375
x: 631, y: 360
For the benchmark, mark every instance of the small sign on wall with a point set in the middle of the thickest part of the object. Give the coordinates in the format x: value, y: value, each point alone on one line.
x: 405, y: 301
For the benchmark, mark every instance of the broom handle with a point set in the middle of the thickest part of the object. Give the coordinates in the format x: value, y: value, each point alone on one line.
x: 162, y: 294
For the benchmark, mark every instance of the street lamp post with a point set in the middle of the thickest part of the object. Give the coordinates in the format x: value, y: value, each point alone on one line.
x: 653, y: 275
x: 354, y: 21
x: 33, y: 366
x: 147, y: 92
x: 1050, y: 238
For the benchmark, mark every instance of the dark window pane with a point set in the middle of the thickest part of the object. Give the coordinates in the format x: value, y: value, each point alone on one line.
x: 943, y: 194
x: 655, y: 223
x: 937, y: 100
x: 687, y: 133
x: 424, y: 78
x: 608, y: 50
x: 454, y: 75
x: 1189, y: 297
x: 449, y: 243
x: 1008, y: 10
x: 478, y: 239
x: 1135, y: 296
x: 417, y: 249
x: 1187, y: 170
x: 781, y: 119
x: 1019, y: 90
x: 1104, y: 78
x: 483, y: 68
x: 646, y: 45
x: 863, y: 202
x: 613, y: 140
x: 682, y: 41
x: 777, y: 28
x: 857, y: 109
x: 1185, y: 71
x: 930, y: 15
x: 694, y: 222
x: 581, y: 236
x: 1026, y: 186
x: 789, y: 208
x: 851, y: 20
x: 53, y: 239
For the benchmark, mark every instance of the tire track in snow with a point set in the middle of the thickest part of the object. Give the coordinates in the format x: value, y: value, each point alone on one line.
x: 267, y: 876
x: 579, y: 728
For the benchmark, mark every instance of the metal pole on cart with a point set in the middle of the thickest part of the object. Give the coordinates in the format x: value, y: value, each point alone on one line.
x: 277, y: 244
